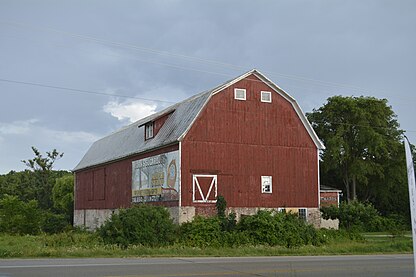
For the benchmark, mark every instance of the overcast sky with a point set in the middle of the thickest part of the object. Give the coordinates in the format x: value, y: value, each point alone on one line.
x: 166, y: 51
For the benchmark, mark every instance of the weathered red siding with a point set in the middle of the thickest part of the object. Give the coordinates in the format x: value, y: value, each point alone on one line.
x: 240, y: 141
x: 109, y: 186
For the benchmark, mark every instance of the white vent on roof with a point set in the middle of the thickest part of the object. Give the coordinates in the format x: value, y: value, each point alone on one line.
x: 240, y: 94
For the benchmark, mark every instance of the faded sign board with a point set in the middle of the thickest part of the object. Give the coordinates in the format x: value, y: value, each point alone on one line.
x: 156, y: 178
x: 329, y: 198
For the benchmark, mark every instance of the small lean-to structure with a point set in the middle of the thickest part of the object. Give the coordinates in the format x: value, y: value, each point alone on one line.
x: 246, y: 140
x: 330, y: 196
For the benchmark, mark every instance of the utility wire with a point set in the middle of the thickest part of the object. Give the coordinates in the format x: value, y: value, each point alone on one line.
x: 163, y: 53
x: 148, y: 99
x: 365, y: 126
x: 82, y: 91
x: 180, y: 56
x: 192, y: 59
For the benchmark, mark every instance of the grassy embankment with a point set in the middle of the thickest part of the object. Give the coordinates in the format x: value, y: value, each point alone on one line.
x: 71, y: 245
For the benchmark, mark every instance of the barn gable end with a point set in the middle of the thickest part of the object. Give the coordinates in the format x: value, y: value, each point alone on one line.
x: 242, y: 142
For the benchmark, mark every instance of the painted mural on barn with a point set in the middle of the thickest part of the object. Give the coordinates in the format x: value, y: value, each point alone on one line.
x: 156, y: 178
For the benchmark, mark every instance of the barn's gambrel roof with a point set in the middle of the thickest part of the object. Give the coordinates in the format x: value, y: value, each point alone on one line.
x: 130, y: 140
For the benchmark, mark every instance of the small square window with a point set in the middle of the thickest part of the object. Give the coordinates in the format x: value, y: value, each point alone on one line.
x: 266, y: 96
x: 148, y: 130
x: 240, y: 94
x: 302, y: 214
x: 266, y: 184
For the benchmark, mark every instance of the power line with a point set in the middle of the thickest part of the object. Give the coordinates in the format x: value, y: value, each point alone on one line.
x: 192, y: 59
x: 154, y: 100
x: 83, y: 91
x: 365, y: 126
x: 181, y: 56
x: 121, y: 44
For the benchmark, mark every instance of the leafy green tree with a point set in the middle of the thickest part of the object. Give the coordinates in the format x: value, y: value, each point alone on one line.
x: 18, y: 217
x: 42, y: 166
x: 389, y: 192
x: 63, y: 196
x: 362, y: 137
x: 41, y: 163
x: 20, y: 184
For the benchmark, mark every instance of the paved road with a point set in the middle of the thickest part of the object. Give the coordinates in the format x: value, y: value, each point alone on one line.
x: 382, y: 265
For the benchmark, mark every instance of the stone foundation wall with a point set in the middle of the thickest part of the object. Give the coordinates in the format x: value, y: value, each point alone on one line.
x: 314, y: 217
x: 206, y: 211
x: 329, y: 223
x: 92, y: 219
x: 186, y: 214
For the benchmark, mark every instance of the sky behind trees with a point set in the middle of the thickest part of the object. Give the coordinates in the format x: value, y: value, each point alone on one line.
x: 74, y: 71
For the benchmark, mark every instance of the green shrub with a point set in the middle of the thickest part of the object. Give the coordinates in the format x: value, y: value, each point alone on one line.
x: 285, y: 229
x: 229, y: 223
x: 71, y: 238
x: 211, y: 232
x: 54, y: 223
x: 202, y: 232
x: 264, y: 228
x: 18, y: 217
x: 139, y: 225
x: 221, y: 205
x: 361, y: 217
x: 396, y: 224
x: 340, y: 235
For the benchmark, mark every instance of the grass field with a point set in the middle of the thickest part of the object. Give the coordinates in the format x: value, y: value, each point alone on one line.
x: 72, y: 244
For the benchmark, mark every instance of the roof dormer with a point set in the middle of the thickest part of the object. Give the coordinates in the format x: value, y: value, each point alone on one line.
x: 153, y: 126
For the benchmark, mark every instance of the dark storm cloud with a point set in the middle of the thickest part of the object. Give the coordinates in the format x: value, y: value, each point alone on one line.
x: 169, y: 50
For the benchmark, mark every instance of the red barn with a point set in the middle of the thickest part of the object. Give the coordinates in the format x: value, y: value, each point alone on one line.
x: 247, y: 140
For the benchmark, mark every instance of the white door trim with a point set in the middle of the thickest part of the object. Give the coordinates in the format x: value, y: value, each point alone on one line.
x: 196, y: 187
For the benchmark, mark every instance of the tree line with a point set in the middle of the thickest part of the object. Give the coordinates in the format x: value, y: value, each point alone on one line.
x: 38, y: 199
x: 364, y: 155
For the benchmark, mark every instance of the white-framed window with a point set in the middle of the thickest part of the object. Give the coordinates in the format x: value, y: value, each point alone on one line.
x: 266, y: 184
x: 281, y: 210
x: 266, y: 96
x: 239, y: 94
x: 148, y: 130
x: 204, y: 188
x: 303, y: 214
